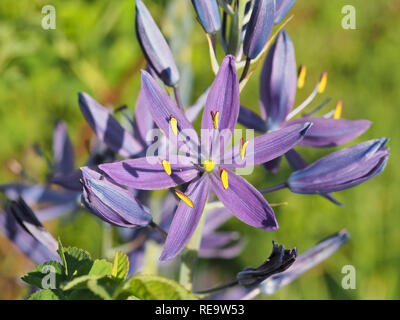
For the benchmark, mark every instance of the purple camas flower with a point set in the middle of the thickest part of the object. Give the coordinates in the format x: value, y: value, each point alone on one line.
x: 204, y: 170
x: 278, y: 81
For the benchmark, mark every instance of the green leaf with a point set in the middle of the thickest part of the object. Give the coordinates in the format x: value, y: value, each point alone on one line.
x: 101, y: 268
x: 36, y: 276
x: 147, y: 287
x: 120, y: 266
x: 78, y: 282
x: 47, y: 294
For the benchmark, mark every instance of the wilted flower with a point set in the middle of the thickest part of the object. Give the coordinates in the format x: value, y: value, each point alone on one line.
x: 208, y: 14
x: 304, y: 262
x: 279, y: 260
x: 220, y: 113
x: 342, y: 169
x: 154, y: 46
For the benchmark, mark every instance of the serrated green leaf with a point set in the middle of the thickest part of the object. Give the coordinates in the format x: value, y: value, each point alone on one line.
x: 36, y: 276
x: 147, y: 287
x: 101, y: 268
x: 120, y: 266
x: 47, y: 294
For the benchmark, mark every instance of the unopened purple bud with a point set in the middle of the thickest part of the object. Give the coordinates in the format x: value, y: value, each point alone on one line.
x: 112, y: 203
x: 342, y: 169
x: 282, y: 9
x: 154, y: 46
x: 208, y: 14
x: 259, y: 27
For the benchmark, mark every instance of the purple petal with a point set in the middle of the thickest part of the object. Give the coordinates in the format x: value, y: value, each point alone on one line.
x: 107, y: 128
x: 282, y: 9
x: 251, y: 120
x: 63, y: 152
x: 208, y: 14
x: 69, y: 182
x: 259, y: 27
x: 143, y: 120
x: 245, y: 202
x: 327, y: 132
x: 228, y: 252
x: 154, y: 46
x: 162, y: 108
x: 149, y: 174
x: 269, y: 146
x: 28, y: 220
x: 215, y: 218
x: 297, y: 162
x: 136, y: 260
x: 278, y: 81
x: 28, y: 245
x: 186, y: 219
x: 223, y: 97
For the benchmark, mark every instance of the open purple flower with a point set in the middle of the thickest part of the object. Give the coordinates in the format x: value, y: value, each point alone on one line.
x: 204, y: 169
x: 278, y: 83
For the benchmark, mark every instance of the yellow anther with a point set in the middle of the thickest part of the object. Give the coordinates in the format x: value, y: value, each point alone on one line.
x: 302, y: 76
x: 338, y: 109
x: 322, y: 82
x: 214, y: 117
x: 224, y: 178
x: 167, y: 167
x: 174, y: 125
x: 243, y: 151
x: 184, y: 198
x: 208, y: 165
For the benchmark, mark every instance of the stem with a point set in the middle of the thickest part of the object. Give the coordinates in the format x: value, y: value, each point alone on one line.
x: 246, y: 69
x: 178, y: 97
x: 157, y: 228
x: 219, y: 288
x: 274, y: 188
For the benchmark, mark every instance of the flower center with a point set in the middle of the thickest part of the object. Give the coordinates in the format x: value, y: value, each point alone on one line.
x: 208, y: 165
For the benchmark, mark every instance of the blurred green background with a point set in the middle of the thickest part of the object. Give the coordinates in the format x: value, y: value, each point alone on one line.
x: 94, y: 49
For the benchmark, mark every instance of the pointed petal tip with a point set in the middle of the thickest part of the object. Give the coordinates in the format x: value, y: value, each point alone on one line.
x: 305, y: 128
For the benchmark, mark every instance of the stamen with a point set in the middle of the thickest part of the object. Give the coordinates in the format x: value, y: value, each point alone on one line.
x: 302, y: 76
x: 208, y: 165
x: 174, y: 125
x: 338, y: 109
x: 184, y: 198
x: 167, y: 167
x: 224, y: 178
x: 243, y: 151
x: 322, y: 82
x: 214, y: 117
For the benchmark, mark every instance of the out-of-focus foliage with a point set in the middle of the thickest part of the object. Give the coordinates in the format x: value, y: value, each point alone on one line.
x: 94, y: 49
